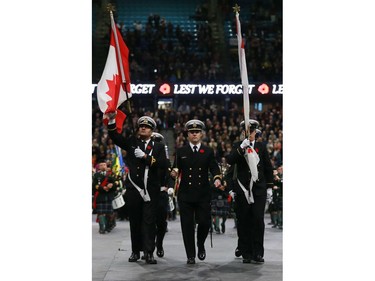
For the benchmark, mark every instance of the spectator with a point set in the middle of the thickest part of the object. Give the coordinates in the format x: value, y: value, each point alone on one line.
x: 103, y: 195
x: 277, y: 199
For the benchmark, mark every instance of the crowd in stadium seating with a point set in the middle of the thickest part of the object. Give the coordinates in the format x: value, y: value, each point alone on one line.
x: 167, y: 53
x: 162, y: 51
x: 261, y: 23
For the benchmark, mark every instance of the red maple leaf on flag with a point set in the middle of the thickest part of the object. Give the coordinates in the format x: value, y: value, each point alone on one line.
x: 114, y: 86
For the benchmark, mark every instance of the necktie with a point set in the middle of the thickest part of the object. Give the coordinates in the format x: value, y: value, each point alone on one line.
x: 144, y: 145
x: 195, y: 148
x: 251, y: 144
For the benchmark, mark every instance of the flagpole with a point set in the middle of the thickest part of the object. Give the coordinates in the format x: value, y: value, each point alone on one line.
x: 243, y: 71
x: 113, y: 26
x: 244, y: 80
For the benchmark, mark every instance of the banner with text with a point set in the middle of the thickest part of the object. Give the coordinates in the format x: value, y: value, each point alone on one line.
x: 169, y: 90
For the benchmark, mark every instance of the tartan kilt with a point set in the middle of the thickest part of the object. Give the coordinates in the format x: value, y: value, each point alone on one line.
x: 104, y: 207
x: 220, y: 207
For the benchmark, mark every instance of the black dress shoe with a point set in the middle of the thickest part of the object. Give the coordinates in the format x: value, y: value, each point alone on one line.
x: 150, y: 259
x: 246, y: 258
x: 201, y: 254
x: 134, y: 257
x: 191, y: 261
x: 237, y: 252
x: 258, y: 259
x: 223, y: 227
x: 160, y: 252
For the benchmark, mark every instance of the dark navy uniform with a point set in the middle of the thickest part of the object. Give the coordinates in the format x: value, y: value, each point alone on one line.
x: 163, y: 205
x: 194, y: 192
x: 142, y: 215
x: 251, y: 216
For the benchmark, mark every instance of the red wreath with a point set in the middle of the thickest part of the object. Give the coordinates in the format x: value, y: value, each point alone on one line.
x: 201, y: 151
x: 148, y: 147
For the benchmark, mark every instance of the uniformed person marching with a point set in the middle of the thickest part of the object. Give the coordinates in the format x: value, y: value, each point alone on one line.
x: 163, y: 206
x: 250, y: 208
x: 144, y: 157
x: 194, y: 161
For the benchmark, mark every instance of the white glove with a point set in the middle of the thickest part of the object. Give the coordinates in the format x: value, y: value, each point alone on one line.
x: 139, y: 153
x: 232, y: 194
x: 245, y: 143
x: 170, y: 191
x: 112, y: 117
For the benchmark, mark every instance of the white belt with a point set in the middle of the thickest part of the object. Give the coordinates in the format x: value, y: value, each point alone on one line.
x: 252, y: 160
x: 142, y: 192
x: 248, y: 193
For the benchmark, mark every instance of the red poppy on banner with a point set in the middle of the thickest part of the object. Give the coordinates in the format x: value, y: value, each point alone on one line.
x: 263, y: 89
x: 114, y: 85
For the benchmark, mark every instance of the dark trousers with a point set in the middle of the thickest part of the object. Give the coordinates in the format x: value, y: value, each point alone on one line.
x: 250, y: 225
x: 142, y: 220
x: 191, y: 214
x: 161, y: 219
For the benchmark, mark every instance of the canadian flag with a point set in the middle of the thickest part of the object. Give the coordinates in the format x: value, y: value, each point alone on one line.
x: 114, y: 85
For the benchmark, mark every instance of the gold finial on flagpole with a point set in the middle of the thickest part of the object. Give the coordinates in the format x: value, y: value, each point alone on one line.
x: 111, y: 7
x: 236, y: 8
